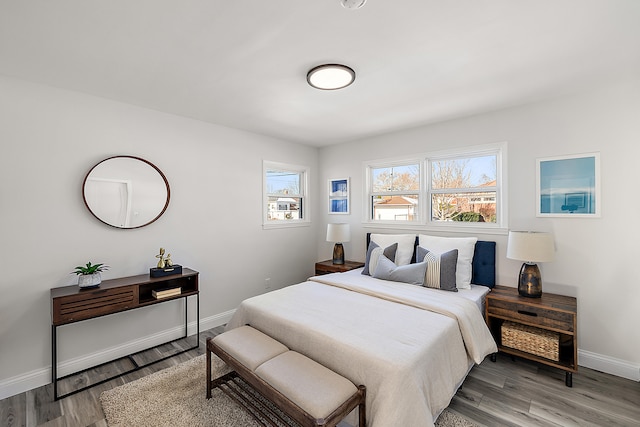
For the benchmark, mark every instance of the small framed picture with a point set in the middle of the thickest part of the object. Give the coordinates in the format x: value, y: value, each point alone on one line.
x: 568, y: 186
x: 339, y: 196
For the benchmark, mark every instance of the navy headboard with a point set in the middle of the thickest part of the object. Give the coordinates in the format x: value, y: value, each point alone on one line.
x: 483, y: 265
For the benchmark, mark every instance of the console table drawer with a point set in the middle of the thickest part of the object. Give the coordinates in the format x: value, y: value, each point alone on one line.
x: 531, y: 314
x: 92, y: 304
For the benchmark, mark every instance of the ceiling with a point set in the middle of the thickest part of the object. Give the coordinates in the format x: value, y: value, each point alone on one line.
x: 243, y: 63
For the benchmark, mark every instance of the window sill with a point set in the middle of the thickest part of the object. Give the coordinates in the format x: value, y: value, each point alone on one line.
x: 269, y: 226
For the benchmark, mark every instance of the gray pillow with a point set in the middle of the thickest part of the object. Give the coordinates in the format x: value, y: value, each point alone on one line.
x: 441, y: 268
x: 374, y: 253
x: 413, y: 274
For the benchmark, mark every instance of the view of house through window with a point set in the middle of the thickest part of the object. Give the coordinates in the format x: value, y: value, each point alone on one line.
x: 456, y: 188
x: 396, y: 192
x: 285, y: 193
x: 464, y: 189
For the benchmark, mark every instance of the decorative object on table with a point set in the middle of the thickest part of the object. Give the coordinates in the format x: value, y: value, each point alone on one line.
x: 161, y: 260
x: 166, y: 292
x: 165, y: 266
x: 568, y: 186
x: 338, y: 233
x: 339, y: 196
x: 530, y: 247
x: 89, y: 275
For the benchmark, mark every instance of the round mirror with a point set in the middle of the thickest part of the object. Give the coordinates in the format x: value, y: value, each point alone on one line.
x: 126, y: 192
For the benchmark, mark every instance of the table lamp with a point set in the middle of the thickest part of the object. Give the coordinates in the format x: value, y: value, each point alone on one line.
x: 338, y: 233
x: 530, y: 247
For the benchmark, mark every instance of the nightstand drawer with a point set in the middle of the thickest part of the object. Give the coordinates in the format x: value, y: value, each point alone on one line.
x: 531, y: 314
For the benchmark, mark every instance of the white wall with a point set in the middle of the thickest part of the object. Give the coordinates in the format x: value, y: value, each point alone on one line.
x: 50, y: 139
x: 596, y: 258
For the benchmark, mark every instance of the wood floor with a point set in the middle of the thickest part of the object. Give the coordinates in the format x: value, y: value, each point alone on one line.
x: 505, y: 393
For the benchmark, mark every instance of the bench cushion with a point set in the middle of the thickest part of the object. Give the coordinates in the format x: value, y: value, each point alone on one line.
x: 249, y: 346
x: 311, y: 386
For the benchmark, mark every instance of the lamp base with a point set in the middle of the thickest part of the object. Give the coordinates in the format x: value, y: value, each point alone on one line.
x: 338, y: 254
x: 530, y: 282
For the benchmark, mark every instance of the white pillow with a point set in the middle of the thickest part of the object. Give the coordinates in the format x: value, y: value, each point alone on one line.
x: 466, y: 247
x: 405, y: 242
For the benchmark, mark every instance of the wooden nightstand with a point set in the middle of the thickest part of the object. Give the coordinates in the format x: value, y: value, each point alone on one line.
x: 326, y: 267
x: 549, y: 316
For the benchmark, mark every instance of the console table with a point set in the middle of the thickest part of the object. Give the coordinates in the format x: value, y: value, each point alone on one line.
x: 71, y: 304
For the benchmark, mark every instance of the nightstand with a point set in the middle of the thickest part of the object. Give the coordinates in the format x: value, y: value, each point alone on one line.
x: 539, y: 329
x: 326, y: 267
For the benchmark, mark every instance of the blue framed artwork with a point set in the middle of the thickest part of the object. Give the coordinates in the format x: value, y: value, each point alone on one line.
x: 568, y: 186
x: 339, y: 196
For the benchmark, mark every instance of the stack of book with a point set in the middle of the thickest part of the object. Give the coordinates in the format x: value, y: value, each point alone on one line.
x: 164, y: 293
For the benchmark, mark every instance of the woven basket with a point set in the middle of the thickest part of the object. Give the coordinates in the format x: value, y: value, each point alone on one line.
x: 531, y: 340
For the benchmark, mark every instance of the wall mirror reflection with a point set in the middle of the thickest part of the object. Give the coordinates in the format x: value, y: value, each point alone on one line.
x: 126, y: 192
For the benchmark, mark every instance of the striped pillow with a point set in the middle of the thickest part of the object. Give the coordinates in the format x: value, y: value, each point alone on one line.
x: 441, y: 268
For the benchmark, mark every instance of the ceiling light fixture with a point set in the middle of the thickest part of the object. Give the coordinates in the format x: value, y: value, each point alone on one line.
x: 353, y: 4
x: 331, y: 76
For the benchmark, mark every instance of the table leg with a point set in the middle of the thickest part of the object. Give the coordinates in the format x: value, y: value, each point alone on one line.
x: 568, y: 380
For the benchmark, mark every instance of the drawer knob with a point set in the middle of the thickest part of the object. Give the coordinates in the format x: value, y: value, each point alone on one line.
x: 528, y: 313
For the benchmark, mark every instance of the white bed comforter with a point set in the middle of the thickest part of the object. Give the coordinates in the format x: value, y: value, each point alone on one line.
x: 411, y: 346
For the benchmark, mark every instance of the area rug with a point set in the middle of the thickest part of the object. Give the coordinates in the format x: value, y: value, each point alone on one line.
x: 176, y: 397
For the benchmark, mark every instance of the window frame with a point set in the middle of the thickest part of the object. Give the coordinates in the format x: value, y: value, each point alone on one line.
x: 391, y: 164
x: 425, y: 221
x: 305, y: 202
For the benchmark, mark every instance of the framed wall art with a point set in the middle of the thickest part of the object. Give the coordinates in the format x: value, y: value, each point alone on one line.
x: 568, y: 186
x: 339, y: 196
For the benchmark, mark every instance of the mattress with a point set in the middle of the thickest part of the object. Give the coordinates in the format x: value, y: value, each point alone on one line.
x: 410, y: 346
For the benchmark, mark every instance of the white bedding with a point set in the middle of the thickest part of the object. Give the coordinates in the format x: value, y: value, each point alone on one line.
x: 411, y: 346
x: 475, y: 294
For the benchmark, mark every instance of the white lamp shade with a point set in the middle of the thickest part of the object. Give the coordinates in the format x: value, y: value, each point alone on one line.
x: 338, y: 233
x: 530, y: 246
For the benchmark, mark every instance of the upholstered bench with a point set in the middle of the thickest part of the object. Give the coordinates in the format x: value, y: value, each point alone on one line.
x: 303, y: 389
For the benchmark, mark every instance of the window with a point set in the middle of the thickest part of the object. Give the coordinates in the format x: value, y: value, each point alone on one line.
x: 464, y: 189
x: 285, y: 194
x: 459, y: 189
x: 395, y: 192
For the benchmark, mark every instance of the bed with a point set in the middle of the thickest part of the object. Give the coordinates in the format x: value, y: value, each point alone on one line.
x: 412, y: 346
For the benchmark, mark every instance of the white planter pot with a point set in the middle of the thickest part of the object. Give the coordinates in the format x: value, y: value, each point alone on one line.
x: 89, y: 280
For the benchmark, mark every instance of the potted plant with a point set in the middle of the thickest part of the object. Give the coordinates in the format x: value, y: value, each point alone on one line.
x: 89, y: 275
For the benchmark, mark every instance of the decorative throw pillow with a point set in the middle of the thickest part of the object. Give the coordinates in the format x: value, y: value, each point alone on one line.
x: 441, y: 268
x: 413, y: 274
x: 406, y: 243
x: 373, y: 254
x: 465, y: 246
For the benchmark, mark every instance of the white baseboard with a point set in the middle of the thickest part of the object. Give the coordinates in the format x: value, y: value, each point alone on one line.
x: 609, y: 365
x: 39, y: 377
